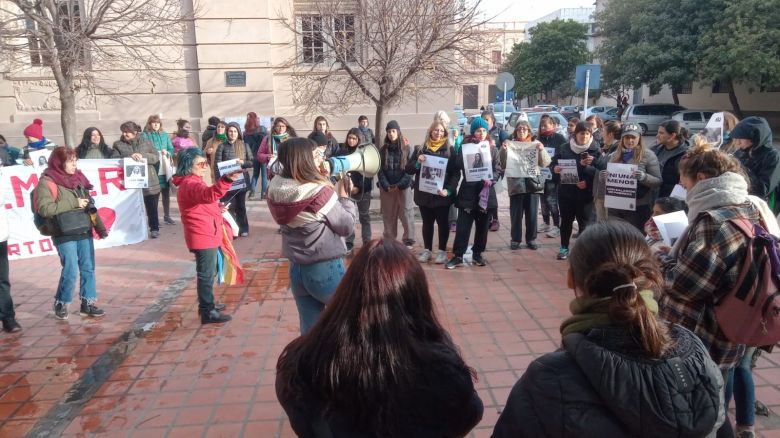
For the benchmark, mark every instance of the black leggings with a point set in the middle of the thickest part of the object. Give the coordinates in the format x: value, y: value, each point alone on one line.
x: 238, y: 209
x: 440, y: 215
x: 571, y: 208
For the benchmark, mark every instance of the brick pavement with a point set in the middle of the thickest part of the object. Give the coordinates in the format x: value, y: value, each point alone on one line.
x: 150, y: 369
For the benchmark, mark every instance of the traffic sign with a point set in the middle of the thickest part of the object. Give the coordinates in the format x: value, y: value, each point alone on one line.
x: 505, y: 81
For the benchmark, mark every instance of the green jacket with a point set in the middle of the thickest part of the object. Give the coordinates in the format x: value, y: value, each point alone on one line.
x: 162, y: 142
x: 66, y: 200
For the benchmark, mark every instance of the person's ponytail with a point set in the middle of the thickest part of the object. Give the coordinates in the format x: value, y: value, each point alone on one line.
x: 627, y: 307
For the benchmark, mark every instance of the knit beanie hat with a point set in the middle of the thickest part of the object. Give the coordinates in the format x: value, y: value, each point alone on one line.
x: 392, y: 124
x: 35, y: 129
x: 479, y: 123
x: 319, y: 138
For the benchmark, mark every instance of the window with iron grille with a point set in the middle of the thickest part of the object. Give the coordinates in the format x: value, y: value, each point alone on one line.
x: 344, y: 35
x: 312, y: 45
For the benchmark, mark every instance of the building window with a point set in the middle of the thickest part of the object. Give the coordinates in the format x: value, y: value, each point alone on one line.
x: 312, y: 45
x: 344, y: 35
x: 686, y: 88
x: 39, y: 56
x: 68, y: 23
x: 495, y: 57
x: 719, y: 86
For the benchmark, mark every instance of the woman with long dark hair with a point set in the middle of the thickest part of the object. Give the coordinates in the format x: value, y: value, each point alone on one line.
x: 271, y: 144
x: 360, y: 191
x: 378, y: 362
x: 235, y: 148
x: 314, y: 219
x: 93, y: 146
x: 394, y: 184
x: 622, y: 371
x: 672, y: 144
x: 321, y: 125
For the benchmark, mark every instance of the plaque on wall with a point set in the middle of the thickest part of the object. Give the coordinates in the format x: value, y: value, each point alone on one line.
x: 235, y: 79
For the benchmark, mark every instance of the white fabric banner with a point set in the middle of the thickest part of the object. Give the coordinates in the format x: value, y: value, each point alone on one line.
x: 122, y: 210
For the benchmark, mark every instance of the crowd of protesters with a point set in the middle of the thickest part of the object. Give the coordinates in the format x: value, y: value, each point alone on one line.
x: 637, y: 302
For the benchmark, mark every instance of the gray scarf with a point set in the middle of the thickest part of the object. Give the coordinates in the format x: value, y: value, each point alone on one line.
x: 711, y: 193
x: 576, y: 148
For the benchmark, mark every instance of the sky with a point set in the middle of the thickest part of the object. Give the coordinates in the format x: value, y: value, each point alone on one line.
x: 527, y: 10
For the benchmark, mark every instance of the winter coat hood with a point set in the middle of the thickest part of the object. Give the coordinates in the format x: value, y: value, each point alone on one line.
x: 756, y: 129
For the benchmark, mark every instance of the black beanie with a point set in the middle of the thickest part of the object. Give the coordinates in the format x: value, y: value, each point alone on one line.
x: 319, y: 138
x: 392, y: 124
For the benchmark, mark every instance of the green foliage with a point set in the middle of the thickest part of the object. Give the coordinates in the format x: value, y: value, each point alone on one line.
x: 550, y: 58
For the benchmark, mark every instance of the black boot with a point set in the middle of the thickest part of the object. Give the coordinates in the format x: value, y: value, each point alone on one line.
x: 213, y: 317
x: 10, y: 325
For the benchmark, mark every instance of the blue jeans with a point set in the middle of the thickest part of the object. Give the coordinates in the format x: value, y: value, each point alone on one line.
x: 260, y: 171
x: 740, y: 384
x: 78, y: 259
x: 312, y: 286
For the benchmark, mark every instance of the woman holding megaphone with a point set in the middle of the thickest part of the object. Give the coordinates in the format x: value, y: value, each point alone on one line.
x: 314, y: 217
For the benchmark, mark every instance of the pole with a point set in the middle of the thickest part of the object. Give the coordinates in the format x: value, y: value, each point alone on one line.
x: 587, y: 85
x: 504, y: 121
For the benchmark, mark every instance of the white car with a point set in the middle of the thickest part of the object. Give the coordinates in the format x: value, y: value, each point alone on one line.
x: 595, y: 110
x: 693, y: 120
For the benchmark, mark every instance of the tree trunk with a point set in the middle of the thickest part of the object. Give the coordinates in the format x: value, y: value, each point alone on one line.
x: 378, y: 121
x: 68, y: 115
x: 733, y: 99
x: 675, y: 97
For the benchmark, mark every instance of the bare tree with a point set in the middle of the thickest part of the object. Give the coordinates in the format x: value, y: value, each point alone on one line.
x: 350, y: 51
x: 86, y: 42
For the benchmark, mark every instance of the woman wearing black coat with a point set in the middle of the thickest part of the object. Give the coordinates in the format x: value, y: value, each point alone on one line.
x: 235, y: 148
x: 621, y: 372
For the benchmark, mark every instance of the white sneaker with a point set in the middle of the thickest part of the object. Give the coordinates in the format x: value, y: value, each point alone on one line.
x: 441, y: 257
x: 543, y: 228
x: 424, y: 256
x: 553, y: 231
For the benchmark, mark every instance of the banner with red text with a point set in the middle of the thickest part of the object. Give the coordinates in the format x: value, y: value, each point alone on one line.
x: 122, y: 210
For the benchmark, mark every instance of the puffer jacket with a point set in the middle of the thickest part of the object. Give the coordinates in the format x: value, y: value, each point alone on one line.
x: 392, y: 171
x: 646, y: 188
x: 760, y: 160
x: 227, y: 151
x: 145, y: 148
x: 468, y: 193
x: 602, y: 385
x: 425, y: 199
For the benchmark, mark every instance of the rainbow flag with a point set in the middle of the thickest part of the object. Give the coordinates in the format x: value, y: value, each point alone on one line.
x: 229, y: 269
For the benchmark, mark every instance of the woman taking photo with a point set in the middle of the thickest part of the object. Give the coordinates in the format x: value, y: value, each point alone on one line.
x: 271, y: 144
x: 314, y: 218
x: 474, y: 199
x: 391, y: 372
x: 672, y: 144
x: 434, y: 208
x: 64, y: 189
x: 130, y: 145
x: 631, y: 150
x: 524, y: 189
x: 153, y: 132
x: 93, y: 146
x: 576, y: 200
x: 235, y: 148
x: 622, y: 371
x: 201, y: 218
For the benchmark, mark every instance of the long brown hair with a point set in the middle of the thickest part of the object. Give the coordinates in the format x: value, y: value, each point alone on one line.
x: 611, y: 254
x: 154, y: 118
x: 252, y: 124
x: 376, y: 334
x: 298, y: 162
x: 639, y: 151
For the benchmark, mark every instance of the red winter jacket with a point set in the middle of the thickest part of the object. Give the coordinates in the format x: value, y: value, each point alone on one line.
x: 201, y: 214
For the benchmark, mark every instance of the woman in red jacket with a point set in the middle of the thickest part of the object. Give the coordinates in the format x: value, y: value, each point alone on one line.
x: 201, y: 217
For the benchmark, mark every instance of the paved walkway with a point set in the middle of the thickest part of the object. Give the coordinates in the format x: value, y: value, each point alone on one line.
x: 150, y: 369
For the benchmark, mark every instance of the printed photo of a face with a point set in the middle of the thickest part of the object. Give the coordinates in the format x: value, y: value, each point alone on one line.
x: 137, y: 171
x: 475, y: 160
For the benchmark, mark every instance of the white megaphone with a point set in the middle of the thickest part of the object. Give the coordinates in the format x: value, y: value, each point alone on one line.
x: 365, y: 160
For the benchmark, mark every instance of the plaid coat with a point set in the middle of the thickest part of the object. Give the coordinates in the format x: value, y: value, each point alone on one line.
x: 705, y: 270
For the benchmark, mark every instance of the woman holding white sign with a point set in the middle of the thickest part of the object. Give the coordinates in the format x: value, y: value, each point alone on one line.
x: 131, y: 145
x: 475, y: 197
x: 524, y: 182
x: 429, y: 165
x: 235, y: 149
x: 631, y: 150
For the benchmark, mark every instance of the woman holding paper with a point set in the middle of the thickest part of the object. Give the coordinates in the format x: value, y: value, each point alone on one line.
x: 474, y: 197
x: 131, y: 145
x: 524, y: 187
x: 631, y: 150
x: 153, y: 131
x: 234, y: 148
x: 269, y: 147
x: 434, y: 207
x: 575, y: 199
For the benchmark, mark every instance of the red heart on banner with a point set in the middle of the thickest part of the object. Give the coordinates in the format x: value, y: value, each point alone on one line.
x: 108, y: 215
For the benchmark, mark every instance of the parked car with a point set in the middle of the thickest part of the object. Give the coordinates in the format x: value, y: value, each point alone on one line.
x: 610, y: 114
x: 596, y: 110
x: 533, y: 120
x: 693, y: 120
x: 569, y: 111
x: 547, y: 107
x: 460, y: 116
x: 649, y: 115
x: 502, y: 113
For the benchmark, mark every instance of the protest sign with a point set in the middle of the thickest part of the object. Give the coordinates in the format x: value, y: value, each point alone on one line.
x: 546, y: 174
x: 135, y: 173
x: 121, y: 210
x: 550, y: 151
x: 230, y: 166
x: 477, y: 161
x: 620, y: 190
x: 671, y: 226
x: 40, y: 159
x: 432, y: 172
x: 522, y: 159
x: 569, y: 173
x: 713, y: 132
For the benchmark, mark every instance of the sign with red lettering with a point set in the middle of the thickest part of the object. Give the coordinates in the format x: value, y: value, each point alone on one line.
x: 122, y: 210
